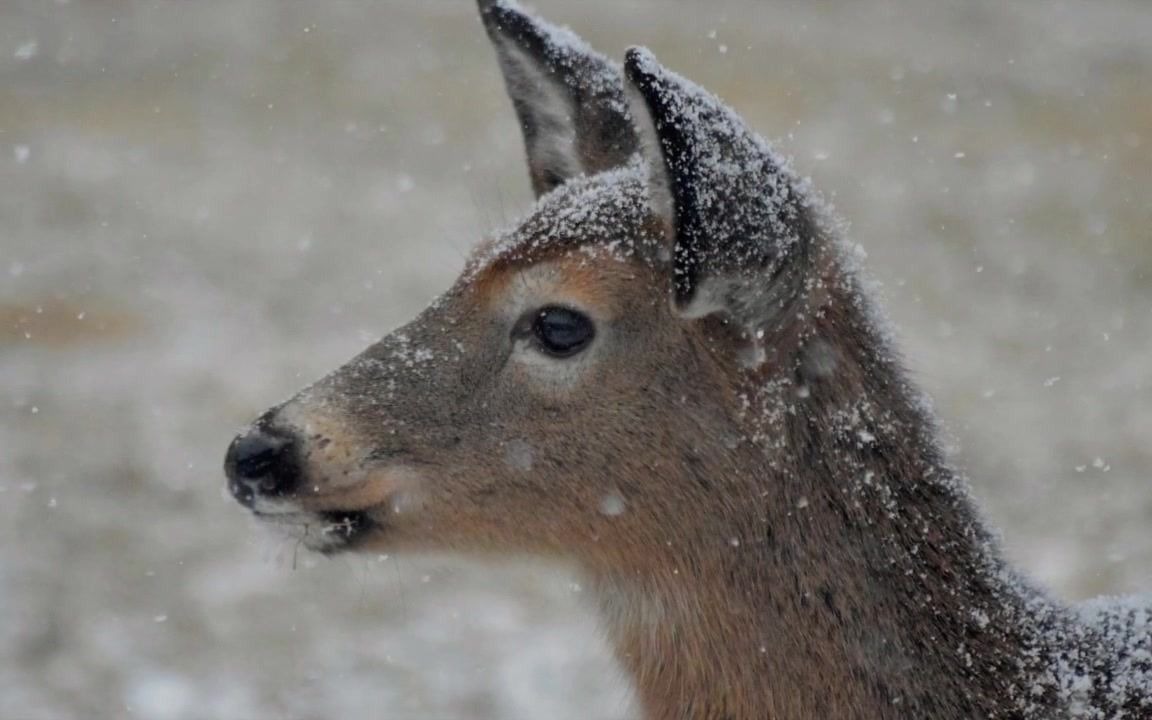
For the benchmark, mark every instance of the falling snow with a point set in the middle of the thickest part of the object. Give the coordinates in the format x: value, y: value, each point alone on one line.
x: 153, y: 207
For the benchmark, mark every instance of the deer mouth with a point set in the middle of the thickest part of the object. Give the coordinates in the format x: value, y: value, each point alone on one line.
x: 330, y: 519
x: 326, y: 532
x: 349, y: 526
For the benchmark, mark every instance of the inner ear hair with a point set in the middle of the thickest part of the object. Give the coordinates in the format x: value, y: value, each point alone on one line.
x: 659, y: 183
x: 568, y: 98
x: 547, y: 118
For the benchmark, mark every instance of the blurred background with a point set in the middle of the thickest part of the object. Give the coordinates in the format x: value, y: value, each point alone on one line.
x: 204, y: 206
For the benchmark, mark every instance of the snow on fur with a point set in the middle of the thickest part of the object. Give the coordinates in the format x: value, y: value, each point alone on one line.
x: 739, y: 211
x: 579, y: 64
x: 742, y: 217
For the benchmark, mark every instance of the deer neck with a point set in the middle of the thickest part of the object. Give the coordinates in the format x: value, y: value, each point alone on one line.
x: 844, y: 572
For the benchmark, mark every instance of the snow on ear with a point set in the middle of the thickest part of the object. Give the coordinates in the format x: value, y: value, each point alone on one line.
x: 569, y: 98
x: 741, y: 221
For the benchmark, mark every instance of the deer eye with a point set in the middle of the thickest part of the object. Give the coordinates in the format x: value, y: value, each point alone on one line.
x: 561, y: 332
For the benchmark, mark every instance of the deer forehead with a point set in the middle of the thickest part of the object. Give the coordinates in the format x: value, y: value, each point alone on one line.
x: 597, y: 280
x: 587, y: 240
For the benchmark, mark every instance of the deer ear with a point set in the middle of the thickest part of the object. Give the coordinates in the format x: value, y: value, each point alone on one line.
x: 740, y: 220
x: 569, y: 98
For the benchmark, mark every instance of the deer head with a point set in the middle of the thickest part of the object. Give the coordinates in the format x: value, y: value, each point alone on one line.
x: 651, y: 376
x: 580, y: 384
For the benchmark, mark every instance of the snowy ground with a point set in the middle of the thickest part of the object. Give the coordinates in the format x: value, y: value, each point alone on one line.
x: 204, y: 205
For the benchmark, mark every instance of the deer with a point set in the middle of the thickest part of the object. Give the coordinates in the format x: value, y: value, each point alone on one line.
x: 672, y: 375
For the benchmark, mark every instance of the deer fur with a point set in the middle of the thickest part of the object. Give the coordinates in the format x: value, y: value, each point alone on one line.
x: 737, y: 461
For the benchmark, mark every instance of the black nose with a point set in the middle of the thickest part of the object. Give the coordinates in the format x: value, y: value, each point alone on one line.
x: 260, y: 462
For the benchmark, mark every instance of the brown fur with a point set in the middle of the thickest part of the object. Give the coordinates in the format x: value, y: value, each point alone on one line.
x: 780, y: 539
x: 746, y: 578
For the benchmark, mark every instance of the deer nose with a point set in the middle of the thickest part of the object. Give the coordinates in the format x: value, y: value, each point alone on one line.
x: 260, y: 462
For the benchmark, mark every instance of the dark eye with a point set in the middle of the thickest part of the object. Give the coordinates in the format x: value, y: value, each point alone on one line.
x: 562, y: 332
